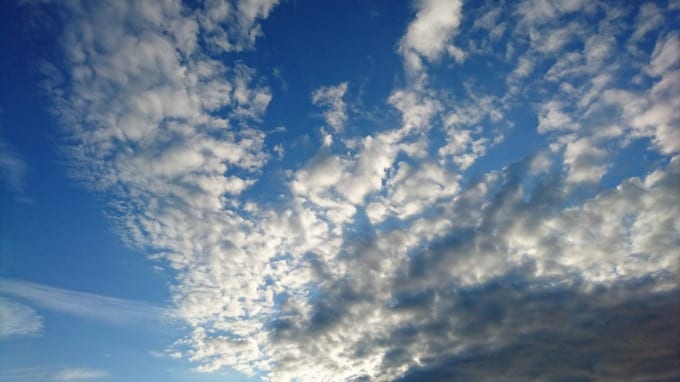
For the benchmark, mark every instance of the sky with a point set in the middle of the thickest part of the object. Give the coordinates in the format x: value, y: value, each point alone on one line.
x: 299, y: 190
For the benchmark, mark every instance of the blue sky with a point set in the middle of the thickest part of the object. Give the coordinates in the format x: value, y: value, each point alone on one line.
x: 298, y: 190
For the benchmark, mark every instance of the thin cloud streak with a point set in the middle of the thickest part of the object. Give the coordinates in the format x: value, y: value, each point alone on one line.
x: 116, y: 311
x: 46, y: 373
x: 80, y: 375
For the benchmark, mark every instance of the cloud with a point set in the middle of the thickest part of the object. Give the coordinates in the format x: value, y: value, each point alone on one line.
x: 429, y: 34
x: 12, y: 167
x: 665, y: 55
x: 331, y: 97
x: 584, y: 161
x: 26, y: 374
x: 80, y: 375
x: 229, y: 25
x: 559, y: 334
x: 394, y: 253
x: 18, y: 319
x: 649, y: 18
x: 43, y: 373
x: 537, y: 12
x: 435, y: 304
x: 108, y: 309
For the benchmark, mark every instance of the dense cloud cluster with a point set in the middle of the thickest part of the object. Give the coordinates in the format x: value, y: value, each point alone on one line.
x: 388, y: 258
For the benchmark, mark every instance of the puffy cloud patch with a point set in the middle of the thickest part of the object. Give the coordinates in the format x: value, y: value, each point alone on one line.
x: 428, y: 36
x: 229, y: 25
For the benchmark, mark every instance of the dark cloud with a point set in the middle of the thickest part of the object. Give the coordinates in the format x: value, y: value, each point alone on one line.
x: 530, y: 333
x: 464, y: 307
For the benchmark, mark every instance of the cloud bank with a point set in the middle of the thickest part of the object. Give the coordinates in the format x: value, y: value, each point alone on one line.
x: 395, y: 255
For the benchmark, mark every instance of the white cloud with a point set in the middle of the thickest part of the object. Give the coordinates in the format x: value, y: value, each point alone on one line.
x: 585, y: 161
x: 109, y: 309
x: 553, y: 117
x: 50, y: 373
x: 12, y: 167
x: 231, y: 25
x: 18, y: 319
x: 26, y: 374
x: 331, y: 98
x: 653, y: 112
x: 648, y: 18
x: 80, y: 375
x: 412, y: 190
x: 598, y: 49
x: 537, y: 12
x: 553, y: 41
x: 666, y: 55
x: 417, y: 110
x: 428, y: 36
x: 466, y: 140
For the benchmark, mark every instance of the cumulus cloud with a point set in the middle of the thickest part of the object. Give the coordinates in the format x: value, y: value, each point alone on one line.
x: 387, y: 256
x: 18, y: 319
x: 429, y: 35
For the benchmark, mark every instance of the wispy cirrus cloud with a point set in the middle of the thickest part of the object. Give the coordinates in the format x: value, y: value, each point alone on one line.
x: 80, y: 375
x: 112, y: 310
x: 30, y: 374
x: 18, y: 319
x: 12, y: 167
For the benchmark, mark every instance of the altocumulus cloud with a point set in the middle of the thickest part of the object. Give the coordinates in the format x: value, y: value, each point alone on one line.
x: 385, y: 260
